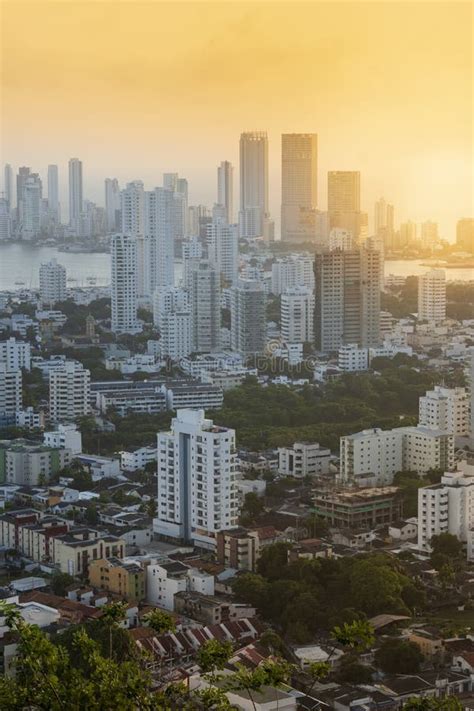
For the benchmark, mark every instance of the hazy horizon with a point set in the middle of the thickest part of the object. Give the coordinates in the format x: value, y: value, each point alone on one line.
x: 138, y: 89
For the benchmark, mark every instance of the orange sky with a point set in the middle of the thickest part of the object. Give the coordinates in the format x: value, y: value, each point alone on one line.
x: 135, y: 89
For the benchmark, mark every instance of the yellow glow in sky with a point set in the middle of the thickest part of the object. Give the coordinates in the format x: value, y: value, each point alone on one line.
x: 138, y: 88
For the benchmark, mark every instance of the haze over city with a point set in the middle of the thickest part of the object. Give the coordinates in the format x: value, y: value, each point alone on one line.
x: 138, y: 89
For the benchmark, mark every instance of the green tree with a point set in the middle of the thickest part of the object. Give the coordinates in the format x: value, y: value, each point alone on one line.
x: 273, y: 561
x: 398, y: 656
x: 160, y: 621
x: 46, y: 679
x: 446, y: 549
x: 60, y: 582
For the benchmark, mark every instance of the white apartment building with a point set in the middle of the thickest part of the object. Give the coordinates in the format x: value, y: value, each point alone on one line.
x: 137, y: 458
x: 253, y: 184
x: 446, y: 409
x: 223, y: 249
x: 52, y: 282
x: 31, y: 201
x: 297, y: 315
x: 447, y: 507
x: 166, y: 578
x: 160, y: 216
x: 303, y: 459
x: 10, y: 391
x: 193, y: 396
x: 132, y: 212
x: 112, y: 205
x: 247, y: 317
x: 65, y: 437
x: 29, y: 464
x: 197, y: 490
x: 378, y: 455
x: 352, y: 359
x: 69, y: 392
x: 169, y: 299
x: 290, y: 271
x: 176, y: 335
x: 432, y: 296
x: 15, y: 354
x: 124, y: 284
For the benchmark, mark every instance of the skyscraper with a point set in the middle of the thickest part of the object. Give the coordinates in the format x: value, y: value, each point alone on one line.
x: 383, y: 222
x: 22, y: 175
x: 112, y: 204
x: 132, y: 201
x: 52, y: 283
x: 299, y: 164
x: 344, y: 203
x: 223, y: 249
x: 30, y: 225
x: 159, y: 244
x: 297, y: 315
x: 225, y: 189
x: 347, y: 298
x: 5, y: 221
x: 8, y: 185
x: 53, y: 194
x: 197, y: 491
x: 124, y: 284
x: 75, y: 194
x: 247, y: 317
x: 205, y: 306
x: 465, y: 234
x: 432, y: 296
x: 254, y: 219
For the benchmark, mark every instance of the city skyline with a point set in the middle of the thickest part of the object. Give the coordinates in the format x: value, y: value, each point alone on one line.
x: 232, y: 78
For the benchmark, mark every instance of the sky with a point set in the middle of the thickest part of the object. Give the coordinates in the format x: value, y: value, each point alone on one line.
x: 136, y: 89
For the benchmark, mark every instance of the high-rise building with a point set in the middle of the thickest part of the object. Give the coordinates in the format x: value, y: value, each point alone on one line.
x: 75, y: 194
x: 197, y: 492
x: 31, y: 201
x: 223, y: 249
x: 292, y: 270
x: 445, y: 409
x: 465, y: 234
x: 299, y: 164
x: 407, y: 234
x: 225, y: 189
x: 52, y: 283
x: 247, y: 317
x: 53, y: 195
x: 205, y: 307
x: 159, y: 244
x: 167, y: 300
x: 254, y: 220
x: 347, y: 298
x: 10, y: 392
x: 340, y: 239
x: 132, y: 201
x: 377, y: 455
x: 383, y: 222
x: 112, y: 205
x: 344, y: 203
x: 22, y: 175
x: 69, y: 392
x: 429, y: 233
x: 297, y: 315
x: 124, y: 284
x: 8, y: 186
x: 5, y: 221
x: 176, y: 332
x: 447, y: 507
x: 432, y: 296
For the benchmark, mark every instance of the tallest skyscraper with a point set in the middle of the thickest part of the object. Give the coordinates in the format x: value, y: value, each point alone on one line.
x: 254, y: 219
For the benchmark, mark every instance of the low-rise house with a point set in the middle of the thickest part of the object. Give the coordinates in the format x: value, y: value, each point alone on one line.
x: 137, y: 458
x: 168, y: 577
x: 209, y: 609
x: 404, y: 529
